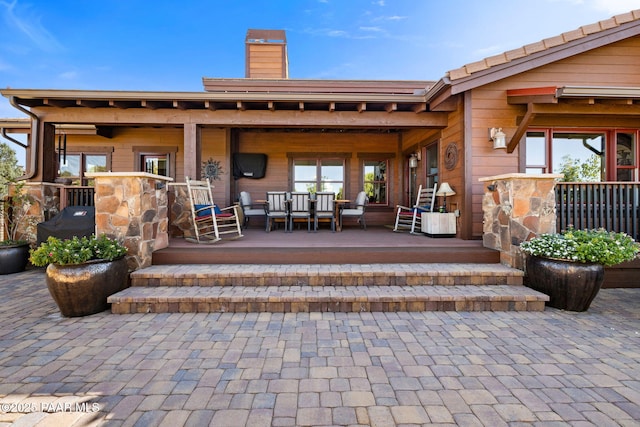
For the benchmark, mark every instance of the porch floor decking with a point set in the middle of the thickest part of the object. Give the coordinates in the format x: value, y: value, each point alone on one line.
x: 351, y: 246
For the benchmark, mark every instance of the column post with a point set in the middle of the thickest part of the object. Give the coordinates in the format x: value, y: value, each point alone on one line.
x: 515, y: 208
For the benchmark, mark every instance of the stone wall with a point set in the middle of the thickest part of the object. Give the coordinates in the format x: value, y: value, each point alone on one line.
x: 180, y: 215
x: 132, y: 207
x: 517, y: 207
x: 43, y: 201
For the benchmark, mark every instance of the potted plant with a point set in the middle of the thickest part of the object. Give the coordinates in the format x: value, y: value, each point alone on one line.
x: 14, y: 250
x: 82, y: 272
x: 569, y: 266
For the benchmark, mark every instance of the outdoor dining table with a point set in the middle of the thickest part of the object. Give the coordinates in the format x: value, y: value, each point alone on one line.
x: 339, y: 203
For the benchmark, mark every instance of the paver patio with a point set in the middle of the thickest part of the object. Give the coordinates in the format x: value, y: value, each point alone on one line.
x: 262, y: 369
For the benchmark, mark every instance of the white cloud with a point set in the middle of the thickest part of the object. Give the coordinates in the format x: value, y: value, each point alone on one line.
x: 337, y: 33
x: 68, y: 75
x: 4, y: 66
x: 372, y: 29
x: 29, y: 25
x: 615, y: 7
x: 611, y: 7
x: 488, y: 51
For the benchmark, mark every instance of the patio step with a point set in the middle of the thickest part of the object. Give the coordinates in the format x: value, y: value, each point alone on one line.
x: 333, y: 287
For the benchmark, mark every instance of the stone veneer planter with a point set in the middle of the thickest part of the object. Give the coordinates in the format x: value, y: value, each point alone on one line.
x: 516, y: 207
x: 132, y: 207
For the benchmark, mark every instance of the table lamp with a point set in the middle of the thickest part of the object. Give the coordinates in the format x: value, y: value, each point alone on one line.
x: 445, y: 190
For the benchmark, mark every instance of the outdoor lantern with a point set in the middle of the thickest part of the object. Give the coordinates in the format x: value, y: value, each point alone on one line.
x: 445, y: 190
x: 499, y: 138
x: 413, y: 161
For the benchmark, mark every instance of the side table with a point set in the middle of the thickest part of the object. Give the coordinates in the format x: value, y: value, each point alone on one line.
x: 437, y: 224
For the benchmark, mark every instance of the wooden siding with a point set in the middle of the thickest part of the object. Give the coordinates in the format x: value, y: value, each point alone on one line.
x: 614, y: 65
x: 266, y: 61
x: 454, y: 134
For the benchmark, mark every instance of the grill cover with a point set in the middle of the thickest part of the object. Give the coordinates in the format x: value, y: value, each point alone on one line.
x: 72, y: 221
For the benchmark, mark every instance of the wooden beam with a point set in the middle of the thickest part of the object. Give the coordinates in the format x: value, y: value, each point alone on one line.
x: 301, y: 106
x: 88, y: 103
x: 271, y: 106
x: 241, y: 105
x: 210, y: 105
x: 522, y: 129
x: 153, y: 105
x: 192, y: 150
x: 391, y: 107
x: 332, y: 106
x: 362, y: 106
x: 119, y: 104
x: 419, y: 108
x: 105, y: 131
x: 58, y: 103
x: 251, y: 118
x: 180, y: 105
x: 585, y: 109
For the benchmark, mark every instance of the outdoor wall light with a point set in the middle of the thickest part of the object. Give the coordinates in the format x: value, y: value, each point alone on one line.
x: 445, y: 190
x: 499, y: 138
x: 413, y: 161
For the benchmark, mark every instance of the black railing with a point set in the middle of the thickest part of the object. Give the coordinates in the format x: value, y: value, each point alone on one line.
x: 76, y: 196
x: 614, y: 206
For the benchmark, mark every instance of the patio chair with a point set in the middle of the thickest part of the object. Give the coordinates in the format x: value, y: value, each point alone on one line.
x: 249, y: 209
x: 210, y: 221
x: 357, y: 211
x: 300, y: 208
x: 325, y: 209
x: 411, y: 218
x: 276, y: 208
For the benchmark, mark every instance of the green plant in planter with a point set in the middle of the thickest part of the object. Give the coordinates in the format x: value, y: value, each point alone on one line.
x: 76, y: 250
x: 14, y: 213
x: 569, y: 266
x: 584, y: 246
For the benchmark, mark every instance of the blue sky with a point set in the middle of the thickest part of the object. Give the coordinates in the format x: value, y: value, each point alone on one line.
x: 170, y: 45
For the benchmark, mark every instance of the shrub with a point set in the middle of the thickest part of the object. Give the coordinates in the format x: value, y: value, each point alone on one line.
x: 586, y: 246
x: 76, y: 250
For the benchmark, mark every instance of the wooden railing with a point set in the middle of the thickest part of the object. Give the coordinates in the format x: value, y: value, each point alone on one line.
x: 614, y: 206
x: 76, y: 196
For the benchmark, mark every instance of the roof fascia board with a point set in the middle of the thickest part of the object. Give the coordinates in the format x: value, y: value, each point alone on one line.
x: 315, y: 86
x: 207, y: 96
x: 538, y: 59
x: 597, y: 92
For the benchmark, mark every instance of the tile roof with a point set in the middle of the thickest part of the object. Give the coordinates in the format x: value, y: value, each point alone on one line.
x: 569, y: 36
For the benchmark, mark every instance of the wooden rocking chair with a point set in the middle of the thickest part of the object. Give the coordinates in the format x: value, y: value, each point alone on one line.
x: 209, y: 221
x: 411, y: 218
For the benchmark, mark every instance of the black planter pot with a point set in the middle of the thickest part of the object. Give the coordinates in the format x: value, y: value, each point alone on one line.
x: 570, y: 285
x: 82, y: 289
x: 14, y: 258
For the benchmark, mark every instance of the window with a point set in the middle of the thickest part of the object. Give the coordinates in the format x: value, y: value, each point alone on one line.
x: 157, y: 164
x: 536, y: 152
x: 432, y: 165
x: 158, y: 160
x: 580, y: 156
x: 75, y: 165
x: 315, y: 175
x: 375, y: 181
x: 626, y: 158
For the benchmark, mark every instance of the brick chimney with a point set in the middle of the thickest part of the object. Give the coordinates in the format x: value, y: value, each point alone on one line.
x: 266, y: 54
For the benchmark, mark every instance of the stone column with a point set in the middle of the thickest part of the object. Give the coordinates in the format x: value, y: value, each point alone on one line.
x: 132, y: 207
x: 517, y: 207
x: 42, y: 201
